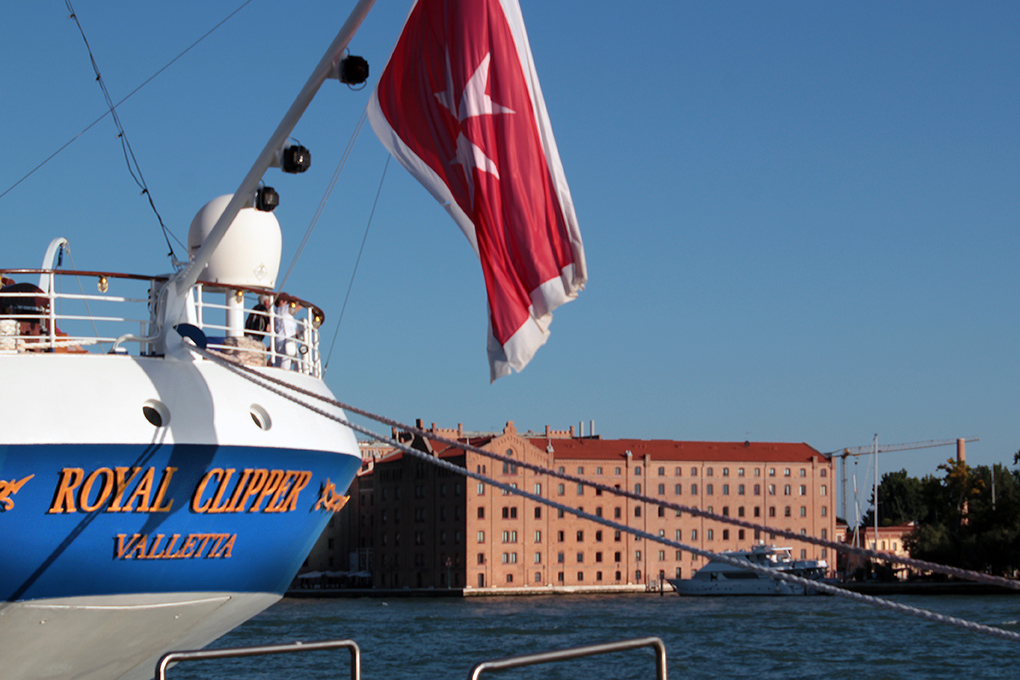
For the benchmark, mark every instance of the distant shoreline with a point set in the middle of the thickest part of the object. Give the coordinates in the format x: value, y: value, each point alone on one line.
x: 865, y: 588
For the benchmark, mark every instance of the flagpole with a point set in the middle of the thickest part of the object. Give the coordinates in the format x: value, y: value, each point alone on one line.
x: 187, y: 277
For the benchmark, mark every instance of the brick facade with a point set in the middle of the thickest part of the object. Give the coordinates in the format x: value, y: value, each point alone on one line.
x: 433, y: 528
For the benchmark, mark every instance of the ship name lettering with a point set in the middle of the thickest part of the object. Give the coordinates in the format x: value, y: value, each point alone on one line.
x: 221, y: 490
x: 159, y: 547
x: 106, y: 489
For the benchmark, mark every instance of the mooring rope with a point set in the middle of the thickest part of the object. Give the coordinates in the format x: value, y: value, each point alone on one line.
x: 280, y: 387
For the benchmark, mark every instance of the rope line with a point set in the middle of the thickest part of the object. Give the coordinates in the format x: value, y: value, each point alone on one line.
x: 693, y: 510
x: 267, y: 383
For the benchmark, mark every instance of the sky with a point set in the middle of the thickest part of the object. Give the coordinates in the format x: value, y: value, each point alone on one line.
x: 800, y: 219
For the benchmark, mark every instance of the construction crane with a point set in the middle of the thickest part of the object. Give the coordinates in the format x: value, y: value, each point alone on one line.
x: 875, y: 448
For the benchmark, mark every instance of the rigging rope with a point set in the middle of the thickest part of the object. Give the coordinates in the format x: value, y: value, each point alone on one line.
x: 278, y: 387
x: 325, y: 197
x: 350, y: 285
x: 922, y: 565
x: 112, y: 109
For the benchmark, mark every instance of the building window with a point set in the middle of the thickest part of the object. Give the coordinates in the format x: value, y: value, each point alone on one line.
x: 662, y: 511
x: 825, y: 510
x: 821, y: 473
x: 662, y: 489
x: 822, y: 489
x: 725, y: 489
x: 772, y: 489
x: 598, y: 471
x: 725, y: 534
x: 538, y: 577
x: 803, y: 490
x: 538, y: 537
x: 694, y: 489
x: 757, y: 511
x: 616, y: 536
x: 481, y: 558
x: 708, y: 489
x: 726, y: 511
x: 803, y: 511
x: 580, y: 576
x: 637, y: 510
x: 580, y: 557
x: 598, y: 536
x: 481, y: 537
x: 559, y: 536
x: 580, y: 536
x: 740, y: 511
x: 678, y: 535
x: 786, y: 472
x: 694, y: 534
x: 617, y: 512
x: 481, y: 512
x: 559, y: 558
x: 694, y: 472
x: 662, y: 472
x: 803, y: 472
x: 637, y: 470
x: 559, y: 577
x: 616, y: 471
x: 637, y: 555
x: 709, y: 534
x: 708, y: 472
x: 740, y: 472
x: 538, y: 489
x: 740, y: 534
x: 757, y: 489
x: 786, y: 511
x: 740, y: 489
x: 678, y: 489
x: 580, y: 489
x: 580, y: 470
x: 481, y: 489
x: 772, y: 512
x: 786, y: 490
x: 772, y: 472
x: 560, y: 490
x: 825, y: 535
x: 598, y: 511
x: 677, y: 472
x: 637, y: 488
x: 538, y: 512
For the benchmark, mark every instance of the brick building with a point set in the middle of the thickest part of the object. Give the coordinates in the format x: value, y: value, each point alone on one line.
x: 428, y: 527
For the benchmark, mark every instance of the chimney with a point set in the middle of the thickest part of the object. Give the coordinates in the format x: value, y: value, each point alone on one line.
x: 419, y: 423
x: 591, y: 427
x: 961, y: 450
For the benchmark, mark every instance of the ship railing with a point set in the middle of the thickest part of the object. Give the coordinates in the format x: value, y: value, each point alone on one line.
x: 260, y: 650
x: 60, y: 316
x: 576, y: 653
x: 654, y: 643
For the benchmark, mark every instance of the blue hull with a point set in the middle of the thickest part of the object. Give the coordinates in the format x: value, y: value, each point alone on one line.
x: 91, y: 519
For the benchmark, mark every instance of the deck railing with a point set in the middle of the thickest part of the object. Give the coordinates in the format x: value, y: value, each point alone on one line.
x: 58, y: 314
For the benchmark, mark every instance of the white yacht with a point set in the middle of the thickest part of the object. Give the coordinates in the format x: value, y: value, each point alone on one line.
x: 722, y: 577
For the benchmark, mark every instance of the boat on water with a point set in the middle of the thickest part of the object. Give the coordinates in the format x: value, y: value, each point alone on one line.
x: 151, y: 497
x: 723, y: 577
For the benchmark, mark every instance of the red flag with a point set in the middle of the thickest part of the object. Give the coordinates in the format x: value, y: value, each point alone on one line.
x: 459, y: 105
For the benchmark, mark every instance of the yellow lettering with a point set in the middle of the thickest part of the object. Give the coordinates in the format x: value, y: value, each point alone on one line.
x: 222, y: 489
x: 168, y: 553
x: 8, y: 489
x: 275, y: 505
x: 268, y: 489
x: 104, y: 493
x: 63, y: 499
x: 142, y: 492
x: 187, y: 549
x: 138, y: 551
x: 303, y: 477
x: 258, y: 480
x: 196, y: 505
x: 232, y: 504
x: 121, y: 483
x: 122, y: 549
x: 228, y: 547
x: 155, y: 546
x: 164, y: 483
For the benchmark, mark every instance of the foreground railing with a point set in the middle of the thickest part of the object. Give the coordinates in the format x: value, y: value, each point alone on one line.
x: 575, y: 653
x: 44, y: 310
x: 499, y: 664
x: 234, y: 652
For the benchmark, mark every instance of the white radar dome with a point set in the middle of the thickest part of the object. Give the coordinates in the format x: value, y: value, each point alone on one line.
x: 248, y: 255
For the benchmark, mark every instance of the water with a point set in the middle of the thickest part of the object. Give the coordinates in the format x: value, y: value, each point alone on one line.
x: 766, y: 637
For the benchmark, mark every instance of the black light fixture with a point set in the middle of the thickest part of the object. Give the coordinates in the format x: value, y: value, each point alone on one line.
x: 266, y: 199
x: 352, y: 70
x: 295, y: 159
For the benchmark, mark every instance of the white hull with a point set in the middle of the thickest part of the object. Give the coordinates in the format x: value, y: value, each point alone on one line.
x: 115, y: 637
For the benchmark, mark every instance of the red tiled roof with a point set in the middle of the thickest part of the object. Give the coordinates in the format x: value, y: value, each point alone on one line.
x: 664, y: 449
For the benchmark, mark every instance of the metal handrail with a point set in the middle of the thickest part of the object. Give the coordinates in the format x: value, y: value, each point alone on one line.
x: 576, y: 652
x: 259, y: 650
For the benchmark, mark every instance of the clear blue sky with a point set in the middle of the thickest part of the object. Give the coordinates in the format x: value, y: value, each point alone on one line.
x: 800, y: 218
